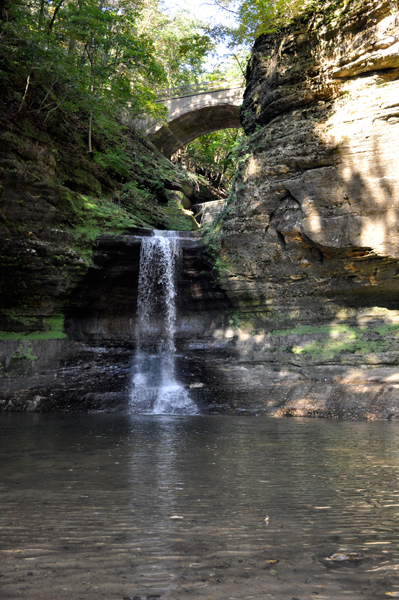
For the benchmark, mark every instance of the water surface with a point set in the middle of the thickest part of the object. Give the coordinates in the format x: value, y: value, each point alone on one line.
x: 113, y: 507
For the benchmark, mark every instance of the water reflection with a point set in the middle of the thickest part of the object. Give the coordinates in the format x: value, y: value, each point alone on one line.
x: 117, y: 506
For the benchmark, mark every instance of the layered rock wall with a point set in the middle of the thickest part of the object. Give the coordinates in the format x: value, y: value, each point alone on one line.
x: 69, y: 254
x: 309, y: 245
x: 304, y: 319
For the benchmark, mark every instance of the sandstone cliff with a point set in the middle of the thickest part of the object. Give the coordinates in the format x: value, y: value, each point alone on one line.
x: 306, y: 319
x: 309, y: 245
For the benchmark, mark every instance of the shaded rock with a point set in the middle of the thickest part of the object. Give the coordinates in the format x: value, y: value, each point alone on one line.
x: 309, y: 245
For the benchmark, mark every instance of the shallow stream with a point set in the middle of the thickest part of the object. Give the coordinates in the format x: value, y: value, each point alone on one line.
x: 112, y: 506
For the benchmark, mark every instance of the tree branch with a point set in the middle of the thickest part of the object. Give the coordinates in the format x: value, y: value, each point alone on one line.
x: 26, y: 89
x: 53, y: 109
x: 234, y: 12
x: 50, y: 27
x: 46, y: 96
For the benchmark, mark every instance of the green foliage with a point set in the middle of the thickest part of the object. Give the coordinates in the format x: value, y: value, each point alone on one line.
x: 214, y: 156
x: 231, y: 67
x: 52, y: 329
x: 257, y: 17
x: 213, y: 231
x: 132, y: 190
x: 330, y: 341
x: 143, y: 173
x: 235, y: 321
x: 181, y: 43
x: 26, y: 352
x: 115, y: 161
x: 263, y: 16
x: 81, y: 60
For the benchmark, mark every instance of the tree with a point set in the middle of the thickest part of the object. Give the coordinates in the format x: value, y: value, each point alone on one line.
x: 79, y: 56
x: 214, y: 156
x: 262, y: 16
x: 232, y: 66
x: 182, y: 43
x: 115, y: 62
x: 256, y: 17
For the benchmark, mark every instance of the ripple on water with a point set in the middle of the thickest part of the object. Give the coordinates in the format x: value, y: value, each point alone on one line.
x: 267, y: 507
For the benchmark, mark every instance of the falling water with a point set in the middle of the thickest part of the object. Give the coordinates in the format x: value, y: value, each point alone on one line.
x: 155, y: 389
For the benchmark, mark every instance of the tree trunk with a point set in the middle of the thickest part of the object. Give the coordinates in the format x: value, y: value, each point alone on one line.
x: 5, y: 6
x: 90, y: 125
x: 41, y: 13
x: 26, y: 91
x: 57, y: 8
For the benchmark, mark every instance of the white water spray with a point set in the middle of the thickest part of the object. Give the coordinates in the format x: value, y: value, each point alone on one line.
x: 155, y: 389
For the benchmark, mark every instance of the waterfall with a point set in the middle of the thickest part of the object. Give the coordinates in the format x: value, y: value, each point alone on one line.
x: 155, y: 389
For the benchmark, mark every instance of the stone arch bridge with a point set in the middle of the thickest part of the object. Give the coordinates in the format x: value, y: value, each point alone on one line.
x: 194, y: 110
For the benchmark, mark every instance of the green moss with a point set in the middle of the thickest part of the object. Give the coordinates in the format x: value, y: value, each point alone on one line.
x: 339, y: 328
x: 25, y: 352
x: 343, y: 339
x: 319, y: 343
x: 53, y: 329
x: 26, y: 321
x: 87, y: 181
x: 308, y: 329
x: 180, y: 220
x: 235, y: 321
x: 99, y: 213
x: 95, y: 216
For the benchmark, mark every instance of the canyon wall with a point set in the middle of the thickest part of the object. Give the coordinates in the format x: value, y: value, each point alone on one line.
x: 70, y: 232
x: 290, y: 305
x: 309, y: 244
x: 82, y: 359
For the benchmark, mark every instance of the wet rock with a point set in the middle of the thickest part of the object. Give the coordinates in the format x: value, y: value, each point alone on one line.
x: 342, y: 559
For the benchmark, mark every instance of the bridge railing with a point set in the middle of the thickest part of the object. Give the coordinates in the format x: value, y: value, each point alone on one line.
x: 198, y: 88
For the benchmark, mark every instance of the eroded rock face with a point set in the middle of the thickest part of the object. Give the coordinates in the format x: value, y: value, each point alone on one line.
x: 310, y: 243
x: 323, y: 170
x: 309, y: 252
x: 89, y: 366
x: 69, y: 267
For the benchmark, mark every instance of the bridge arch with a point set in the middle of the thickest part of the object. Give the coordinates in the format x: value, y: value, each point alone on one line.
x: 194, y: 111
